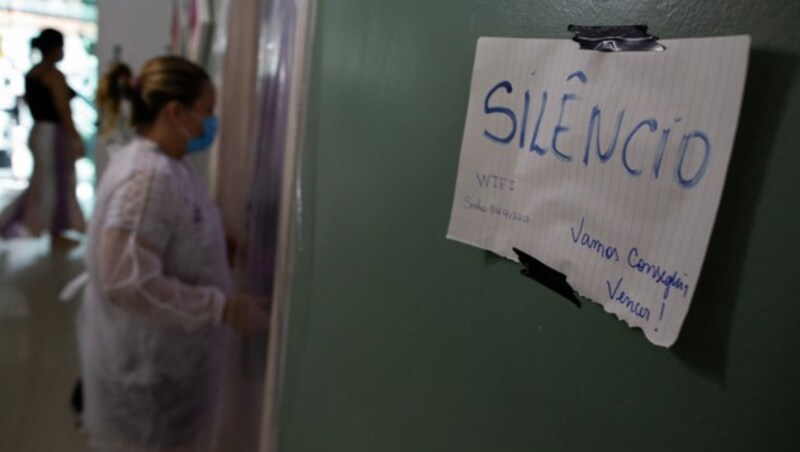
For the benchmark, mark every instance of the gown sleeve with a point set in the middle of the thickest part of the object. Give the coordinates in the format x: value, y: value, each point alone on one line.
x: 140, y: 218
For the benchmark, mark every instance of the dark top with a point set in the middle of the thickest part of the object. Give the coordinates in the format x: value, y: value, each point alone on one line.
x: 40, y: 100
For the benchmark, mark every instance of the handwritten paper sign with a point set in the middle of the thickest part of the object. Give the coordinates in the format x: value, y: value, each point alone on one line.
x: 607, y: 167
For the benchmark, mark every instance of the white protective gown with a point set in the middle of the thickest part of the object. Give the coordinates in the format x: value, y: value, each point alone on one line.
x: 150, y: 336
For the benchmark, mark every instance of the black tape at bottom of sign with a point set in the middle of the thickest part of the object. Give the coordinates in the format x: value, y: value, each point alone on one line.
x: 552, y: 279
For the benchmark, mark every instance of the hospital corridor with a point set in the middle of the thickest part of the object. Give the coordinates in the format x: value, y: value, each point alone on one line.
x: 143, y: 175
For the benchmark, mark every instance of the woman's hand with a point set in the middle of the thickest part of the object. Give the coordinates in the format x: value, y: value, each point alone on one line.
x: 245, y: 314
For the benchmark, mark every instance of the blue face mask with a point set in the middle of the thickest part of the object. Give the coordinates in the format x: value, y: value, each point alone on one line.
x: 203, y: 142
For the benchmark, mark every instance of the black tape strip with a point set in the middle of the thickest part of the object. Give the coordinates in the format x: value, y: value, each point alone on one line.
x: 552, y: 279
x: 620, y: 38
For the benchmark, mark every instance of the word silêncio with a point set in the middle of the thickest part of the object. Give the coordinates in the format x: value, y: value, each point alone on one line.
x: 694, y: 140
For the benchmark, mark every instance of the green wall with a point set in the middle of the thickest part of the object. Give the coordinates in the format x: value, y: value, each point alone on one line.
x: 400, y: 340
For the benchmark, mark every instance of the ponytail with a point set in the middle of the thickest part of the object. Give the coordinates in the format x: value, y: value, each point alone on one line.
x: 164, y: 79
x: 114, y: 87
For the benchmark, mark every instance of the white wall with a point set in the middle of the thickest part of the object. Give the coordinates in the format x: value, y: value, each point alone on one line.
x: 141, y: 27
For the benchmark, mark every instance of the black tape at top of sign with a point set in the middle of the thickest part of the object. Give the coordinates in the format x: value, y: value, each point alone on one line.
x: 552, y: 279
x: 620, y: 38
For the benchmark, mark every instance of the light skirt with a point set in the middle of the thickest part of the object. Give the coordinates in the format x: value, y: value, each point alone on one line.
x: 49, y: 203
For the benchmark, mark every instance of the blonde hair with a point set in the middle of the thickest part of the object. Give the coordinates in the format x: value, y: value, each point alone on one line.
x: 164, y: 79
x: 110, y: 93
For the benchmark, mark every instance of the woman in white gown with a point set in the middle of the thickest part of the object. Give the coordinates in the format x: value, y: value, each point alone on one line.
x: 159, y: 291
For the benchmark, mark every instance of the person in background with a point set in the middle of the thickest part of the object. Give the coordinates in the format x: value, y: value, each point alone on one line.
x: 158, y: 301
x: 49, y: 203
x: 114, y: 109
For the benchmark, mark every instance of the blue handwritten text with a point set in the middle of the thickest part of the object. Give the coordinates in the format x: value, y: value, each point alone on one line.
x: 636, y: 161
x: 616, y: 294
x: 586, y: 240
x: 659, y: 274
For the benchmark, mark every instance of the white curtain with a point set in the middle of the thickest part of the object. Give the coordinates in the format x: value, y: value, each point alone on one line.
x: 231, y: 167
x: 263, y: 75
x: 233, y: 154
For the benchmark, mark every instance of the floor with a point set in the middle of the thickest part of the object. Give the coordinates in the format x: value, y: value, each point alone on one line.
x: 38, y: 355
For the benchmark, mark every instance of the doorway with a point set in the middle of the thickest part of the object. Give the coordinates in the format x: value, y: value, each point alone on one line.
x: 21, y: 22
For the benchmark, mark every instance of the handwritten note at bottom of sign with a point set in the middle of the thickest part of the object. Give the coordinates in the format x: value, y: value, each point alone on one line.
x: 607, y: 167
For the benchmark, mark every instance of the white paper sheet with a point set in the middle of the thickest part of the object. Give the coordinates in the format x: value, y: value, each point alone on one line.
x: 626, y: 213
